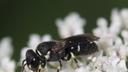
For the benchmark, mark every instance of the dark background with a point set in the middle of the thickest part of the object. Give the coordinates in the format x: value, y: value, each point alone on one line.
x: 20, y: 18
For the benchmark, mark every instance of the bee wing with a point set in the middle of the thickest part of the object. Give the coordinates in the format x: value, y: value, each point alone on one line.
x: 58, y: 46
x: 91, y: 37
x: 86, y: 36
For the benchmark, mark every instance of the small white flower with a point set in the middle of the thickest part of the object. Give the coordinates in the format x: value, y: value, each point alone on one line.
x: 71, y: 25
x: 6, y: 47
x: 122, y: 66
x: 116, y: 22
x: 124, y: 16
x: 8, y: 65
x: 124, y: 34
x: 34, y: 40
x: 46, y: 37
x: 81, y: 69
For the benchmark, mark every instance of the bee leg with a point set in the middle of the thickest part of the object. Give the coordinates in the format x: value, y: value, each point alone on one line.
x: 43, y: 64
x: 60, y: 66
x: 58, y: 70
x: 75, y: 60
x: 23, y: 65
x: 39, y: 70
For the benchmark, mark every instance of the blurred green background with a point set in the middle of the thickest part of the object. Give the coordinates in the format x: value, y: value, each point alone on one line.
x: 20, y: 18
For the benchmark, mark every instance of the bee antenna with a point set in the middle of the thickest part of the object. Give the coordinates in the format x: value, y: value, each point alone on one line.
x: 23, y: 65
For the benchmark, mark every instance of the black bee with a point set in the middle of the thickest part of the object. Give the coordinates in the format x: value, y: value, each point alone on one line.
x: 52, y: 51
x: 67, y: 48
x: 33, y: 61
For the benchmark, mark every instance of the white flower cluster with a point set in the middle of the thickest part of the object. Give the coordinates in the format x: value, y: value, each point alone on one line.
x: 6, y: 64
x: 72, y: 25
x: 113, y: 43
